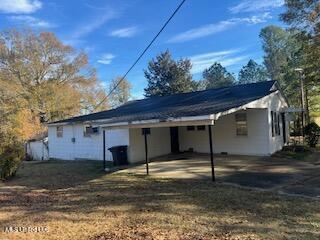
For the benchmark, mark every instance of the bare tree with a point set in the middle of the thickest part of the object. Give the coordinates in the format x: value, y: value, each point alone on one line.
x: 121, y: 94
x: 43, y: 75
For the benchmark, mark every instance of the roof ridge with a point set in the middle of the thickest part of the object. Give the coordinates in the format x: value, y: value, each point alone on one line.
x: 218, y: 88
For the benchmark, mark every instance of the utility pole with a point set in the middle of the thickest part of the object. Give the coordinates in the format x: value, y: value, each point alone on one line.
x: 303, y: 98
x: 304, y: 112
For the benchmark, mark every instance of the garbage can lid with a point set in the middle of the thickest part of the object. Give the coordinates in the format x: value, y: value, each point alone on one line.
x: 117, y: 147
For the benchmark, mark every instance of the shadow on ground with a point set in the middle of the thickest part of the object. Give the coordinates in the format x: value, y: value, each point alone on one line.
x: 76, y: 198
x: 287, y: 175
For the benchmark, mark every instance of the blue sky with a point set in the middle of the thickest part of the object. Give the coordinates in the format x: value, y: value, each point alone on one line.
x: 114, y: 32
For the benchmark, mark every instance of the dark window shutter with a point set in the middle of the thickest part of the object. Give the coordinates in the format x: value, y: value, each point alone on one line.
x: 272, y: 123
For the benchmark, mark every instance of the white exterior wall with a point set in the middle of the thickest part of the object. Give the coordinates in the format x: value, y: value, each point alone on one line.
x: 258, y: 142
x: 276, y: 143
x: 84, y: 147
x: 224, y: 135
x: 37, y: 150
x: 159, y: 143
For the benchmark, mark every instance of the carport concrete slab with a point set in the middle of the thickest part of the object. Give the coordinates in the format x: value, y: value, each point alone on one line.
x: 287, y: 175
x: 182, y: 168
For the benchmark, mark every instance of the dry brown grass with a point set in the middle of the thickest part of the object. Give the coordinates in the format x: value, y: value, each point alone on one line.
x: 77, y: 201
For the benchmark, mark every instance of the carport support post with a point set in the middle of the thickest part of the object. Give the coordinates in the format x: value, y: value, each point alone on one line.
x: 146, y: 150
x: 104, y: 149
x: 211, y: 154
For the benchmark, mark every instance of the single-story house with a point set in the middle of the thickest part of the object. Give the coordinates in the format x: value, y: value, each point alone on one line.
x: 247, y: 119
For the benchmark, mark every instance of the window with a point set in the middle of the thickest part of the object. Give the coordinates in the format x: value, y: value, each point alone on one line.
x: 95, y: 130
x: 278, y: 124
x: 87, y: 131
x: 241, y: 124
x: 190, y: 128
x: 201, y: 128
x: 272, y: 123
x: 60, y: 131
x: 275, y: 123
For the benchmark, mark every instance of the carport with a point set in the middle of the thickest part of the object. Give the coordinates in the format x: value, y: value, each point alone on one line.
x: 146, y: 127
x: 234, y: 120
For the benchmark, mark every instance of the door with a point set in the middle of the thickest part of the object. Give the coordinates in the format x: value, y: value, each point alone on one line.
x: 284, y: 135
x: 174, y: 136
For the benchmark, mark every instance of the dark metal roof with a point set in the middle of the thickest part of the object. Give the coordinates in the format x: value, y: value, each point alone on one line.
x: 181, y: 105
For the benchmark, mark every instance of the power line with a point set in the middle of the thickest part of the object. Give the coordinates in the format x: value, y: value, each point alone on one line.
x: 141, y: 55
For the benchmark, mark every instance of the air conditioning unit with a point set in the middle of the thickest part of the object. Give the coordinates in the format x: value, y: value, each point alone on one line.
x: 89, y: 130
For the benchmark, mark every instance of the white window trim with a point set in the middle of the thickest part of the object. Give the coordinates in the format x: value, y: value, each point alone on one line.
x: 59, y: 131
x: 240, y: 122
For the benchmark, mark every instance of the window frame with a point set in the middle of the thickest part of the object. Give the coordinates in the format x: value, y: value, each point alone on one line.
x: 59, y: 131
x: 275, y: 124
x: 278, y: 125
x: 85, y: 132
x: 272, y: 124
x: 240, y: 124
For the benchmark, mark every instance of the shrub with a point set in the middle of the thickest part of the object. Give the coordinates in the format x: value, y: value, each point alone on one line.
x: 10, y: 159
x: 312, y: 132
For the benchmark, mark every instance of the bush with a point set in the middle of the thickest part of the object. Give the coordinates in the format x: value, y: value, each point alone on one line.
x: 312, y: 133
x: 10, y: 159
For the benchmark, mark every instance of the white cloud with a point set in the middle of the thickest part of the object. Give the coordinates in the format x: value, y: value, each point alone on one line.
x: 221, y: 26
x: 31, y: 21
x: 256, y: 5
x: 106, y: 58
x: 226, y: 58
x: 124, y: 32
x: 95, y: 24
x: 20, y: 6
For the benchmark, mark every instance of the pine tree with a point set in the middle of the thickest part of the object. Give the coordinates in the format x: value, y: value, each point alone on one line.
x: 252, y: 72
x: 217, y: 76
x: 166, y: 76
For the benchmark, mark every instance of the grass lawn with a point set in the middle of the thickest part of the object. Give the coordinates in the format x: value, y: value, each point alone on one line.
x: 76, y: 200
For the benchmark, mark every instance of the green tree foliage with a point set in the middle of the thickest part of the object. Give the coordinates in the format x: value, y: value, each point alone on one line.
x: 217, y: 76
x: 166, y: 76
x: 282, y: 57
x: 303, y: 17
x: 312, y: 131
x: 278, y: 51
x: 252, y: 72
x: 121, y: 92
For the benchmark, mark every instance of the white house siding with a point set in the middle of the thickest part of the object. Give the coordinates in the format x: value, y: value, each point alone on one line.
x: 258, y: 142
x: 90, y: 148
x: 61, y: 148
x: 276, y: 143
x: 225, y: 138
x: 37, y: 150
x: 159, y: 143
